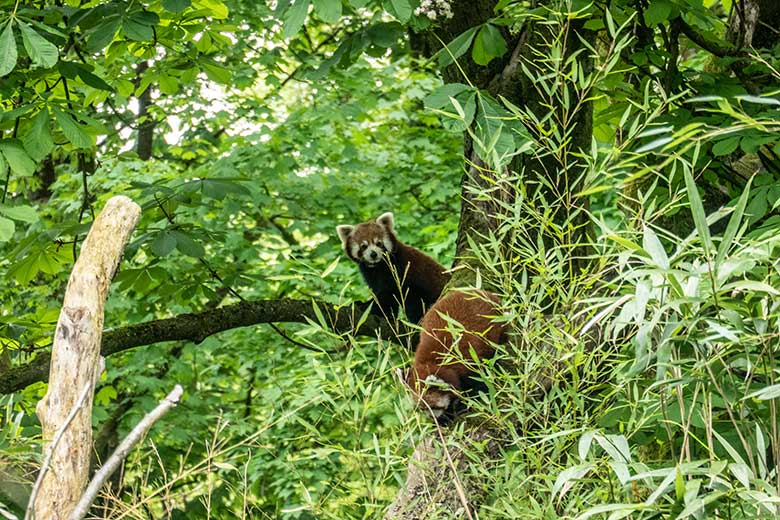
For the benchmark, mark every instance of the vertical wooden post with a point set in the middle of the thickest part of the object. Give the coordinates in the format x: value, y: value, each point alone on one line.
x: 75, y: 361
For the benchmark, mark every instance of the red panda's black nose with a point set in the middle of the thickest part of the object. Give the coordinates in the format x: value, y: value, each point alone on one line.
x: 374, y: 255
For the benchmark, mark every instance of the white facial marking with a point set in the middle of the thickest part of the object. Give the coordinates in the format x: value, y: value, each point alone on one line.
x: 387, y: 243
x: 436, y: 412
x: 373, y: 254
x: 443, y: 402
x: 434, y: 379
x: 354, y: 249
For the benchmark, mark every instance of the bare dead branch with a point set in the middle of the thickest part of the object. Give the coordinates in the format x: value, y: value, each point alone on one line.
x: 121, y: 452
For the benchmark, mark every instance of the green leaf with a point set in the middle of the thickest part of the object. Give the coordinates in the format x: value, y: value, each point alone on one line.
x: 294, y: 18
x: 385, y: 34
x: 73, y: 131
x: 218, y: 189
x: 188, y: 246
x: 17, y: 157
x: 217, y: 73
x: 657, y: 12
x: 103, y: 34
x: 488, y: 45
x: 217, y: 9
x: 329, y: 11
x: 400, y: 9
x: 163, y: 244
x: 456, y: 48
x: 168, y: 84
x: 137, y: 30
x: 726, y: 146
x: 697, y: 209
x: 654, y: 248
x: 94, y: 81
x: 176, y: 6
x: 440, y: 98
x: 20, y: 213
x: 6, y: 229
x: 734, y: 222
x: 37, y: 140
x: 8, y: 52
x: 42, y: 52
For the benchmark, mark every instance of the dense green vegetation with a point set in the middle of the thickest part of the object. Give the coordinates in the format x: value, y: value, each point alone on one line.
x: 618, y: 165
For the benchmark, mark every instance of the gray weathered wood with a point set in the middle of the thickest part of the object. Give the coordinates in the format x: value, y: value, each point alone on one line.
x: 75, y: 359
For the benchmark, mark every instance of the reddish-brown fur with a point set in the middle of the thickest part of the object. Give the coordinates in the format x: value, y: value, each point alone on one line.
x: 405, y: 277
x: 435, y: 351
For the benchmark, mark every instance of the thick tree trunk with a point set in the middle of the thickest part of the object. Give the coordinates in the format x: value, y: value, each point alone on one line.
x: 75, y: 362
x: 435, y: 483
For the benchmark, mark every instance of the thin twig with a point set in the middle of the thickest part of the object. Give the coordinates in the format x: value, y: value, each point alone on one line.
x: 121, y: 452
x: 30, y: 514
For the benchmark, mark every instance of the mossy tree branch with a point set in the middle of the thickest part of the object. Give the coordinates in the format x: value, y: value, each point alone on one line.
x: 198, y: 326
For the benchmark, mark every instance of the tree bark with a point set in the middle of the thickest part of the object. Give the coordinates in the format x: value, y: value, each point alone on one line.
x: 75, y: 360
x: 146, y: 124
x: 197, y: 327
x: 430, y: 488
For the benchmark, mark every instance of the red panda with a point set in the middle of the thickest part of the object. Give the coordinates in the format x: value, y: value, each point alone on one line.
x: 397, y: 274
x: 434, y: 378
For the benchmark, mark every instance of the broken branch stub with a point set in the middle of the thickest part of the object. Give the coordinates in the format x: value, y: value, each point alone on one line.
x: 75, y: 359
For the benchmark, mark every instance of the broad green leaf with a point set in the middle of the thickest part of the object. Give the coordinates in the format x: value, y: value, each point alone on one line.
x: 217, y: 8
x: 6, y: 229
x: 726, y: 146
x: 456, y: 48
x: 400, y: 9
x: 329, y: 11
x: 735, y: 221
x: 168, y: 84
x: 103, y: 34
x: 176, y: 6
x: 295, y: 17
x: 218, y: 188
x: 42, y: 52
x: 137, y: 30
x: 163, y: 243
x: 37, y: 140
x: 73, y: 131
x: 8, y: 53
x: 217, y: 73
x: 17, y: 158
x: 697, y: 210
x: 188, y: 246
x: 385, y: 34
x: 20, y: 213
x: 489, y: 44
x: 94, y: 81
x: 440, y: 98
x: 657, y: 12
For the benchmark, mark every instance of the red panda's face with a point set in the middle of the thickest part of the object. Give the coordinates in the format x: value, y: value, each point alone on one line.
x: 368, y: 243
x: 432, y: 394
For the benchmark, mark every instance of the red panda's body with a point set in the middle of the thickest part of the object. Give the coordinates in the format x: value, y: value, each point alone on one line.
x: 433, y: 358
x: 398, y: 275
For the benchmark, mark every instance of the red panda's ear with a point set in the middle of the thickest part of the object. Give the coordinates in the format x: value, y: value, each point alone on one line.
x: 387, y: 220
x: 344, y: 232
